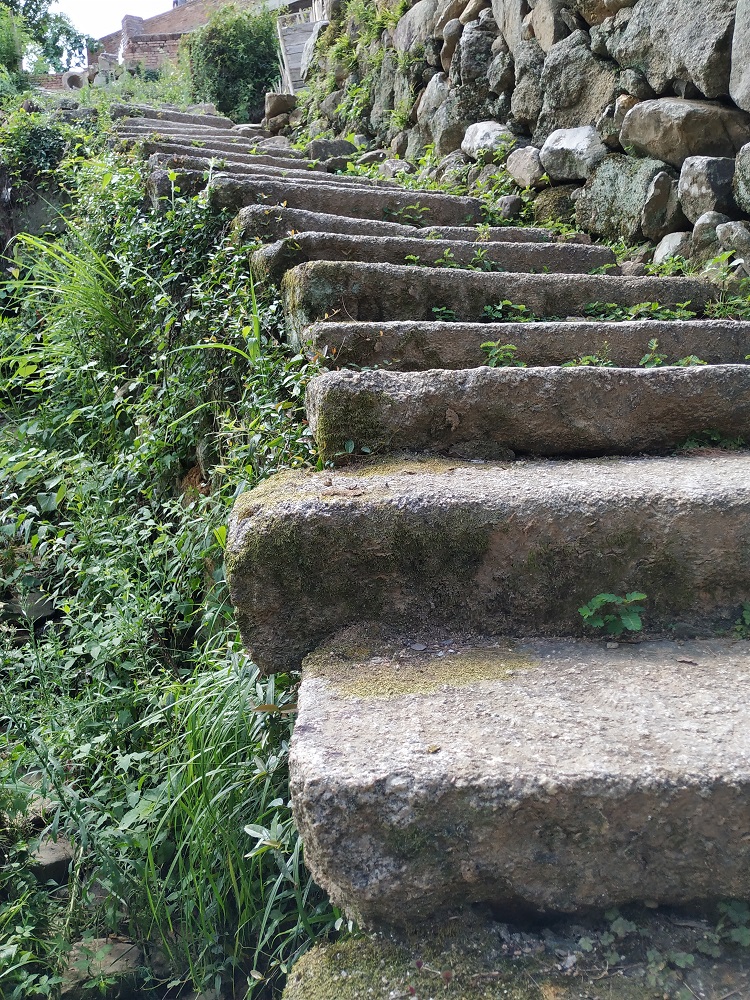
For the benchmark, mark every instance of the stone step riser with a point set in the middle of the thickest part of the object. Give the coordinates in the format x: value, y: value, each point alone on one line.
x: 331, y: 289
x: 270, y: 262
x: 192, y: 169
x: 210, y: 148
x: 420, y: 346
x: 496, y: 413
x: 509, y: 549
x: 272, y: 224
x: 364, y: 202
x: 554, y: 776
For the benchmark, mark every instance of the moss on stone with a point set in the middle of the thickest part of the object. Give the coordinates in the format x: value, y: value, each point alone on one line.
x: 359, y: 677
x: 348, y: 416
x: 459, y: 961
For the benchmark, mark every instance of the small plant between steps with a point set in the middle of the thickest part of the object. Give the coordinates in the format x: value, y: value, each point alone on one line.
x: 501, y: 355
x: 614, y: 614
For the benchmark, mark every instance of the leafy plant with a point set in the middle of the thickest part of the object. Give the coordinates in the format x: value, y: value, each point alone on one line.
x: 233, y: 60
x: 508, y: 312
x: 444, y: 314
x: 614, y: 614
x: 600, y: 359
x: 501, y: 355
x: 652, y: 358
x: 742, y: 625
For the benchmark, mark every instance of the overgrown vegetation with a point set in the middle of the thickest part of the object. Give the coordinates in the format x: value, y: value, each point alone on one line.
x: 233, y: 61
x: 142, y: 387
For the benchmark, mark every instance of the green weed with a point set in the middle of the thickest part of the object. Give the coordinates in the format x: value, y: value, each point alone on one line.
x: 614, y: 614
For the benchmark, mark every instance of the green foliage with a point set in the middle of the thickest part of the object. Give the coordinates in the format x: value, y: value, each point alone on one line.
x: 142, y: 387
x: 14, y: 40
x: 233, y: 61
x: 652, y: 358
x: 611, y: 312
x: 55, y: 41
x: 444, y: 314
x: 501, y: 355
x: 742, y: 625
x: 508, y: 312
x: 614, y: 614
x: 32, y: 146
x: 713, y: 439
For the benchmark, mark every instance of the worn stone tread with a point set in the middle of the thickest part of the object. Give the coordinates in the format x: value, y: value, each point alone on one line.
x: 498, y: 412
x: 558, y: 775
x: 365, y: 201
x: 144, y: 111
x: 276, y: 222
x: 273, y: 260
x: 509, y: 548
x: 149, y: 126
x: 415, y: 346
x: 335, y: 289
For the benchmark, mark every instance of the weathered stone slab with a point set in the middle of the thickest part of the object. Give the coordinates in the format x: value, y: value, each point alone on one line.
x: 432, y: 771
x: 415, y: 207
x: 275, y: 222
x: 184, y: 157
x: 510, y: 548
x: 273, y: 260
x: 50, y: 859
x: 496, y: 413
x: 415, y: 346
x: 148, y: 126
x: 119, y: 111
x: 381, y: 292
x: 706, y: 186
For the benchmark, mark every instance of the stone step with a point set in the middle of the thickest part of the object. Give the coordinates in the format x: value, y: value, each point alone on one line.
x: 141, y: 111
x: 430, y: 772
x: 271, y: 261
x: 238, y: 149
x: 380, y: 292
x: 274, y: 223
x: 364, y: 202
x: 150, y: 126
x: 192, y: 181
x: 480, y: 956
x: 497, y: 413
x: 415, y: 346
x: 501, y: 548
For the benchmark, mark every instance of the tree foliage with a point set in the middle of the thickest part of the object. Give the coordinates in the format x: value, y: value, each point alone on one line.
x: 55, y: 38
x: 233, y: 61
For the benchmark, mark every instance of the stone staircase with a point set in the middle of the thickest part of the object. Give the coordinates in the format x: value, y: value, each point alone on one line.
x: 461, y: 747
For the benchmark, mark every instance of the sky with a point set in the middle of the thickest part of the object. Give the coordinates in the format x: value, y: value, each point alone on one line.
x: 101, y: 17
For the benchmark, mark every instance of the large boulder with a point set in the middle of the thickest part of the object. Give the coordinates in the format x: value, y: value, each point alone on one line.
x: 446, y: 10
x: 509, y: 15
x: 473, y: 53
x: 415, y: 27
x: 735, y: 236
x: 673, y: 245
x: 570, y: 154
x: 678, y: 41
x: 383, y: 94
x: 501, y: 71
x: 576, y: 86
x: 614, y: 196
x: 486, y: 137
x: 706, y: 186
x: 435, y: 94
x: 526, y: 102
x: 661, y: 213
x: 739, y: 80
x: 705, y: 237
x: 742, y: 178
x: 525, y: 167
x: 672, y: 129
x: 548, y: 24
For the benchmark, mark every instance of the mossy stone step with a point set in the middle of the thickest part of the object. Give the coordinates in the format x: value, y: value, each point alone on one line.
x: 167, y: 114
x: 475, y: 957
x: 149, y: 126
x: 364, y: 201
x: 415, y: 345
x: 271, y: 261
x: 503, y: 412
x: 274, y: 222
x: 431, y: 772
x: 503, y: 548
x: 380, y: 292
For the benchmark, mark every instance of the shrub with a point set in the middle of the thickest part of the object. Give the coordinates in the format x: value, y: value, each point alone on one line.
x: 233, y: 61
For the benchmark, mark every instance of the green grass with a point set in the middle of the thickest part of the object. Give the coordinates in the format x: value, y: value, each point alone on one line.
x: 143, y: 385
